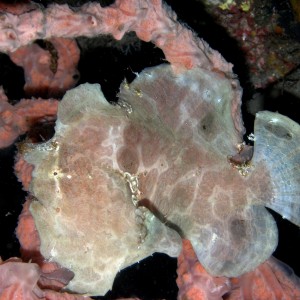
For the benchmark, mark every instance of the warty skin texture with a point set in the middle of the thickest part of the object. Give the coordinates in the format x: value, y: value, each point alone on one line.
x: 168, y: 142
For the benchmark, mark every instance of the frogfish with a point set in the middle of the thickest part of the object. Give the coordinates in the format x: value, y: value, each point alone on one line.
x: 118, y: 182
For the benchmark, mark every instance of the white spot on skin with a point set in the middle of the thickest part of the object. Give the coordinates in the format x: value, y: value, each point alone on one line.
x: 251, y: 137
x: 274, y: 120
x: 53, y: 252
x: 214, y: 237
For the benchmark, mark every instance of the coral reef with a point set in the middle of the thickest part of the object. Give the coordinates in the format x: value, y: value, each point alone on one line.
x: 51, y: 71
x: 170, y: 163
x: 265, y: 33
x: 17, y: 119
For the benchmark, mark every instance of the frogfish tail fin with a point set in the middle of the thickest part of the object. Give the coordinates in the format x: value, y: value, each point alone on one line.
x: 277, y: 147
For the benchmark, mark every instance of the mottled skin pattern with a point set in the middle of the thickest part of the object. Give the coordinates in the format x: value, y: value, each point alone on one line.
x: 188, y: 176
x: 167, y: 141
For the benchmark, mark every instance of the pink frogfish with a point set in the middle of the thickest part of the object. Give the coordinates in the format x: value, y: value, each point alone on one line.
x: 119, y: 182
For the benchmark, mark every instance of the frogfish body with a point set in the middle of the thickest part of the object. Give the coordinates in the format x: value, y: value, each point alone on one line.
x: 119, y: 182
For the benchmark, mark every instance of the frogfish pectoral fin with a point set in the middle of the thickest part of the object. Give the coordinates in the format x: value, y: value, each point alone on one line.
x: 237, y: 244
